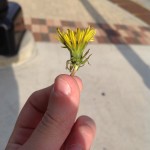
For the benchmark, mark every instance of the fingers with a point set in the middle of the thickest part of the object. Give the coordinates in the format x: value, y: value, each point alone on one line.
x: 30, y: 116
x: 82, y: 134
x: 59, y: 117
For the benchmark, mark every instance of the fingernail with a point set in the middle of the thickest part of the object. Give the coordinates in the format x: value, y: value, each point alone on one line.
x: 74, y: 147
x: 61, y: 86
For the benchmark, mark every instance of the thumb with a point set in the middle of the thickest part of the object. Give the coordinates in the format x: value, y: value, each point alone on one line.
x: 59, y: 118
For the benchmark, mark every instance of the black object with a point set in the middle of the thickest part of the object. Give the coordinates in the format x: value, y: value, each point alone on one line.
x: 12, y: 27
x: 3, y: 8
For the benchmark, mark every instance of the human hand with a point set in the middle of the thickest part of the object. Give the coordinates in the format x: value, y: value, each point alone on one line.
x: 47, y: 121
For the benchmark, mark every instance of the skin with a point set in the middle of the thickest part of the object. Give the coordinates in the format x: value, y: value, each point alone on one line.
x: 48, y: 119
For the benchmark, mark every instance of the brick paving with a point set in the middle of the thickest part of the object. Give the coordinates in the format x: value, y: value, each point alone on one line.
x: 45, y: 30
x: 135, y: 9
x: 144, y: 3
x: 79, y: 10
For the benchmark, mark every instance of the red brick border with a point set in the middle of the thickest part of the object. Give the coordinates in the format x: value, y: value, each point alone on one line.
x: 135, y: 9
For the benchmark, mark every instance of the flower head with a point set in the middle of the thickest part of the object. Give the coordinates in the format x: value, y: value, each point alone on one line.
x: 75, y: 42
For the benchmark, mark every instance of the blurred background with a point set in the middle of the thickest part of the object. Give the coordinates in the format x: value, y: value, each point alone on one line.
x: 116, y: 90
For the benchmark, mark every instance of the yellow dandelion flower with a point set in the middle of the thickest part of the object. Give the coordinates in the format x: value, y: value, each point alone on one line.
x: 76, y: 42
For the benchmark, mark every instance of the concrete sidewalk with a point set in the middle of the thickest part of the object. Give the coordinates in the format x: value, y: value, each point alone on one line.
x: 116, y: 92
x: 79, y: 10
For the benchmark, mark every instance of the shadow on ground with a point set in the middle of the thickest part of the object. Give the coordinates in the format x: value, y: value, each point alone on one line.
x: 9, y: 104
x: 135, y: 61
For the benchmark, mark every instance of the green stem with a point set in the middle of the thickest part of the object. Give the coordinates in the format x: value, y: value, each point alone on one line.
x: 75, y: 68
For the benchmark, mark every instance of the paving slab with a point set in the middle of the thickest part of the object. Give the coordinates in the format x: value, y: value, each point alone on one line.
x: 116, y: 91
x: 144, y: 3
x: 78, y: 10
x: 46, y: 30
x: 134, y: 8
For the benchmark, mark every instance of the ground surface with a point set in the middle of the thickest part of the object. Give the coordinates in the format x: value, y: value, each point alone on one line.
x: 116, y: 85
x: 144, y: 3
